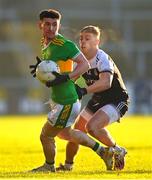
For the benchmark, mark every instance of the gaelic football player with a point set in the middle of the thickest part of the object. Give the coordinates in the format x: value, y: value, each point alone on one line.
x: 108, y: 104
x: 65, y: 106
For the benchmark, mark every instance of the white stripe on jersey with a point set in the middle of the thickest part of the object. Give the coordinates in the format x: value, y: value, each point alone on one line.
x: 120, y: 106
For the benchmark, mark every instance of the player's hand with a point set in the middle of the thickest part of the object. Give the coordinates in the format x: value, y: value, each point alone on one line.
x: 34, y: 66
x: 88, y: 76
x: 80, y: 91
x: 59, y: 79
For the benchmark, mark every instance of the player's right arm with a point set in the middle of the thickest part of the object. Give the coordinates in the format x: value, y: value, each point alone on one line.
x: 105, y: 67
x: 104, y: 83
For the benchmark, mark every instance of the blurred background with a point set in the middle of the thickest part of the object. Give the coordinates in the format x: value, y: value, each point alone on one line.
x: 126, y: 35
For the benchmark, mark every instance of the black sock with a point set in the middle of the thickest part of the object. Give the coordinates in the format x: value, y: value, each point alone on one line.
x: 50, y: 163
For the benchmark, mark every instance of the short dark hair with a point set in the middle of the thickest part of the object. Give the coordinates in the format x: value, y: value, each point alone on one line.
x: 49, y: 13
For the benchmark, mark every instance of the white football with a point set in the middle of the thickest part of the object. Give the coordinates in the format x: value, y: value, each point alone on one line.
x: 44, y: 70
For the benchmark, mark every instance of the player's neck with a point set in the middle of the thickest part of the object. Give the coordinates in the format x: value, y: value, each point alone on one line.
x: 47, y: 41
x: 91, y: 54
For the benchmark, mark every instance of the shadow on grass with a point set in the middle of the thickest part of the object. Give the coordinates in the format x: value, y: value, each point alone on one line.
x: 76, y: 174
x: 115, y: 172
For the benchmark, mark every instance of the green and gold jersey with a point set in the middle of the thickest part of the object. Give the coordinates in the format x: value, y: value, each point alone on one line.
x: 61, y: 51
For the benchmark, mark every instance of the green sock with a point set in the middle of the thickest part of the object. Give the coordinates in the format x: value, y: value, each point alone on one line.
x: 98, y: 149
x: 96, y: 146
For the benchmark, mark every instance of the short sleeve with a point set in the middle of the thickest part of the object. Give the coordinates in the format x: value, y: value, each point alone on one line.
x: 72, y: 50
x: 105, y: 64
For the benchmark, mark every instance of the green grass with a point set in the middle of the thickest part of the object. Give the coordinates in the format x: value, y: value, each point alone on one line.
x: 20, y: 150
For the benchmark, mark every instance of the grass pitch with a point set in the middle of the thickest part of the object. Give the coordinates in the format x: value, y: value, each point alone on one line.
x: 20, y: 150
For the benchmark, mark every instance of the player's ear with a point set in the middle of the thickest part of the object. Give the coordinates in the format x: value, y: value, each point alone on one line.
x: 99, y: 41
x: 40, y: 24
x: 59, y: 26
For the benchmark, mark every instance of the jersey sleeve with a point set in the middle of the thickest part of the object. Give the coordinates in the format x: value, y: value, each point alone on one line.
x: 105, y: 64
x: 72, y: 50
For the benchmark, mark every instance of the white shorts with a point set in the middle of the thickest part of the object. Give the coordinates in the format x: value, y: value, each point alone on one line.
x: 62, y: 116
x: 109, y: 109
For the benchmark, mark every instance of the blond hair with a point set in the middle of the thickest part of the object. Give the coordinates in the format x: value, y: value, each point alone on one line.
x: 92, y: 29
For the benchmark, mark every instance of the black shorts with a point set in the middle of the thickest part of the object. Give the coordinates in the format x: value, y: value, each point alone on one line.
x: 121, y: 106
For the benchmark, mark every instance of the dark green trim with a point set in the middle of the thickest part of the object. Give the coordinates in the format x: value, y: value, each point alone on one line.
x: 96, y: 146
x: 64, y: 116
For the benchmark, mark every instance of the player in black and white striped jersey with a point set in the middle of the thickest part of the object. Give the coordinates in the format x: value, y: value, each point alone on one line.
x: 109, y: 101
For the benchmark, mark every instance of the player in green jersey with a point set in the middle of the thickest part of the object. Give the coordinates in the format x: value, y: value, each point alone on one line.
x: 65, y: 104
x: 58, y: 50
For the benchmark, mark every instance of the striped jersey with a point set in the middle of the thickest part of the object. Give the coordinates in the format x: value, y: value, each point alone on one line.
x: 62, y: 51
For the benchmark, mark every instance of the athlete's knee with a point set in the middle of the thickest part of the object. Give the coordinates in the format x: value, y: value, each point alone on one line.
x: 44, y: 138
x: 71, y: 134
x: 76, y: 136
x: 64, y: 136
